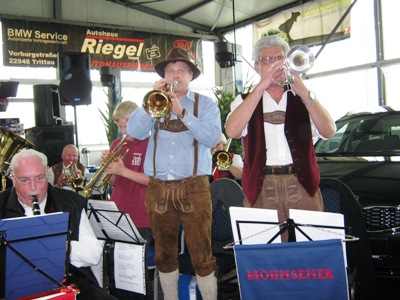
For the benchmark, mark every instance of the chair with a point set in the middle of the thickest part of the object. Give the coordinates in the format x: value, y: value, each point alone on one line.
x: 225, y: 192
x: 338, y: 198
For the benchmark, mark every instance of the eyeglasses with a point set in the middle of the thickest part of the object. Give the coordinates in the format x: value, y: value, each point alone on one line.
x: 267, y: 59
x: 26, y: 180
x: 179, y: 71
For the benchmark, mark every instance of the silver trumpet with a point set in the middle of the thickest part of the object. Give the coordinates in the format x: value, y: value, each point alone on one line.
x: 299, y: 60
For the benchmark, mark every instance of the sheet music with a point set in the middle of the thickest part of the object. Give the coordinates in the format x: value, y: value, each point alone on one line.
x: 129, y: 267
x: 108, y: 222
x: 254, y: 232
x: 319, y: 218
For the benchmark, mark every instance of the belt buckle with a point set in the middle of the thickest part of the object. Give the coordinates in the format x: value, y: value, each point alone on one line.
x: 273, y: 170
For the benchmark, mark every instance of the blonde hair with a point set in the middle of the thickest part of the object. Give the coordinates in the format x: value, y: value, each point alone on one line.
x: 124, y: 110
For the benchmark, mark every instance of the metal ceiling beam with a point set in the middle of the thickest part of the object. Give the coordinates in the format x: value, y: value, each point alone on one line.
x: 159, y: 14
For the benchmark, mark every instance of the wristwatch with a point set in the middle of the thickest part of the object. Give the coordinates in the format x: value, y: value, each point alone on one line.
x: 311, y: 98
x: 182, y: 114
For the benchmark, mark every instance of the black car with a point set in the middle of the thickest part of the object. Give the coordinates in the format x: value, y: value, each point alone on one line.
x: 365, y: 154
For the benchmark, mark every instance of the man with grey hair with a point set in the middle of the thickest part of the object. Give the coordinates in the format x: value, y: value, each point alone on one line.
x: 29, y: 173
x: 275, y: 123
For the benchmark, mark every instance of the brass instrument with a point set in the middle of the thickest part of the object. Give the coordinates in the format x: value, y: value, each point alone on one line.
x: 10, y: 145
x: 73, y: 178
x: 86, y: 191
x: 157, y: 103
x: 299, y: 60
x: 222, y: 159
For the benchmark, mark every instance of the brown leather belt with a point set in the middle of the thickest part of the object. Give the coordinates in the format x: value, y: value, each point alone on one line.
x: 279, y: 170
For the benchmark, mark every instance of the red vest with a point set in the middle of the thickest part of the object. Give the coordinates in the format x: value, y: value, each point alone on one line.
x: 298, y: 134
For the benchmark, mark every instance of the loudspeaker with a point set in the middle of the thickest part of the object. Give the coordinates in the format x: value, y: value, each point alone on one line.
x: 224, y: 54
x: 51, y: 140
x: 47, y: 105
x: 75, y: 86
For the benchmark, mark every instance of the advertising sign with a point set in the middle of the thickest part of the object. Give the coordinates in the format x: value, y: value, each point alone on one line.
x: 36, y: 44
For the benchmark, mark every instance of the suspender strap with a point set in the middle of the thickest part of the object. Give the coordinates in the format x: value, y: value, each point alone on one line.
x: 195, y: 142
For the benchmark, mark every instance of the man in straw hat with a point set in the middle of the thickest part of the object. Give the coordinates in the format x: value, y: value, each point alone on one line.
x: 178, y: 162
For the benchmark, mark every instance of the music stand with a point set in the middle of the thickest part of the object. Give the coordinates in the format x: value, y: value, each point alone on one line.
x: 124, y: 241
x: 265, y: 220
x: 33, y: 251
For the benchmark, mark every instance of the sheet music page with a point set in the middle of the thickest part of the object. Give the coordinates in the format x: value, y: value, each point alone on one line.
x: 309, y: 217
x: 254, y: 232
x: 117, y: 225
x: 129, y: 267
x: 98, y: 270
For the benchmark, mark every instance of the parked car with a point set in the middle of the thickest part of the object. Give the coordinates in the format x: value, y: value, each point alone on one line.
x: 365, y: 154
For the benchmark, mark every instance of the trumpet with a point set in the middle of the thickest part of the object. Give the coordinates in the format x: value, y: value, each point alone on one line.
x: 157, y: 103
x: 222, y: 159
x: 86, y: 191
x: 299, y: 60
x: 72, y: 177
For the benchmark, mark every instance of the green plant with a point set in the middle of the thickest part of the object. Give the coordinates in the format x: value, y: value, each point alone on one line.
x: 107, y: 117
x: 224, y: 99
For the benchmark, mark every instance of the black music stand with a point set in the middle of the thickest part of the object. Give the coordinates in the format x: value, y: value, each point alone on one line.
x: 33, y: 254
x: 289, y: 225
x: 119, y: 232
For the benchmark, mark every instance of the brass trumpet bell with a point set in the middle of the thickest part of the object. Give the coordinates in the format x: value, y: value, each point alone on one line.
x: 299, y: 60
x: 158, y: 103
x: 222, y: 159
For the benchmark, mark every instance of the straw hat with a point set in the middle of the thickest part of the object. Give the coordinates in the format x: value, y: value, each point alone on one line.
x: 177, y: 54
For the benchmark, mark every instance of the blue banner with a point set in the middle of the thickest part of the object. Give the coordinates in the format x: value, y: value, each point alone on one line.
x: 301, y: 270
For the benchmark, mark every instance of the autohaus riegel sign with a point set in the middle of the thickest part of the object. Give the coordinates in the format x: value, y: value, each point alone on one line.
x: 36, y: 44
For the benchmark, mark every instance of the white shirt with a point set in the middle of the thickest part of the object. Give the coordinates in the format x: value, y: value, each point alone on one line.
x: 88, y: 250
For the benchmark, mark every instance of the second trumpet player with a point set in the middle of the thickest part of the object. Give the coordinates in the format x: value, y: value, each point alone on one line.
x: 125, y: 173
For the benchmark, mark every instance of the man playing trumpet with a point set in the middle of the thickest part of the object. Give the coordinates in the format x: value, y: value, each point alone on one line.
x: 276, y: 126
x: 178, y: 162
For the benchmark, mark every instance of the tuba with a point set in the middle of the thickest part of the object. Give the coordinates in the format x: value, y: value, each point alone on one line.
x: 86, y: 191
x: 299, y: 60
x: 157, y: 103
x: 222, y: 159
x: 10, y: 145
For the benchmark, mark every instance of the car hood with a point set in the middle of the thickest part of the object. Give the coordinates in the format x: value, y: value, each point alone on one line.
x: 374, y: 180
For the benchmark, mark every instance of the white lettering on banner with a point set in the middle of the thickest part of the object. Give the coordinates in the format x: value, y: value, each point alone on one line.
x: 95, y: 45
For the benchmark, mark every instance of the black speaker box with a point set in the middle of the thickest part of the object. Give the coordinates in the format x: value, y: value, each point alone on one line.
x: 50, y: 140
x: 224, y: 54
x: 75, y: 86
x: 47, y: 104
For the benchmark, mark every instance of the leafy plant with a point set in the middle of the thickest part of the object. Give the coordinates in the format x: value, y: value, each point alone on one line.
x: 224, y: 99
x: 107, y: 117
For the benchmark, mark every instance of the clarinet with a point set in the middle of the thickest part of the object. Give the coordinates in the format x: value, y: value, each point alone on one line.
x: 35, y: 205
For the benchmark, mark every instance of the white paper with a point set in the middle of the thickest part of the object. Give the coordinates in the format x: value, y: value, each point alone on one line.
x: 255, y: 232
x: 129, y: 267
x: 98, y: 270
x: 106, y: 219
x: 320, y: 218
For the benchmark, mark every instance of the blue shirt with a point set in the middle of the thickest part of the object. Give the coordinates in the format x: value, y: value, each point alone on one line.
x: 175, y: 150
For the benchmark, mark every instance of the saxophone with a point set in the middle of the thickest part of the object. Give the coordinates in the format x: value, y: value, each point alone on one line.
x: 86, y: 191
